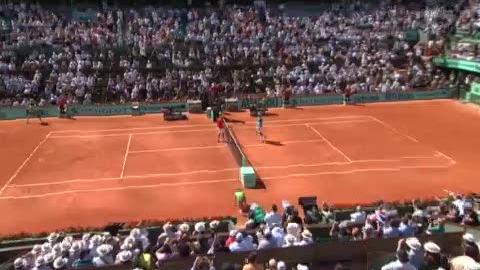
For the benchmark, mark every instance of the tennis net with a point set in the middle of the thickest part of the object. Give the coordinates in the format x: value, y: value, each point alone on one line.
x: 235, y: 147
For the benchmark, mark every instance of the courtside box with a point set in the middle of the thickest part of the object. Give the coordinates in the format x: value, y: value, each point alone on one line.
x: 232, y: 105
x: 248, y: 177
x: 194, y: 106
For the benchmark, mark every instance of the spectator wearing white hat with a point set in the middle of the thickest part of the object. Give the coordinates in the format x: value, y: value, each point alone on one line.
x: 20, y: 264
x: 470, y: 246
x: 124, y: 257
x: 48, y: 259
x: 60, y: 263
x: 104, y: 257
x: 168, y: 233
x: 433, y: 256
x: 140, y: 237
x: 414, y: 249
x: 302, y: 266
x: 307, y: 238
x: 278, y: 234
x: 40, y: 264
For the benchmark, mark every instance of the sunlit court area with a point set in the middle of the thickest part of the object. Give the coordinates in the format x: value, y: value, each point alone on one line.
x: 251, y: 135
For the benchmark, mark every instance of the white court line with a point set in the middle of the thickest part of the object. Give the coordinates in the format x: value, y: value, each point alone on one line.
x: 119, y: 188
x: 283, y: 142
x: 351, y: 117
x: 219, y: 181
x: 329, y: 143
x: 452, y: 161
x: 178, y: 149
x: 125, y: 134
x: 24, y: 163
x: 393, y: 129
x: 126, y: 155
x: 339, y: 163
x: 303, y: 123
x: 144, y: 176
x: 132, y: 129
x: 354, y: 171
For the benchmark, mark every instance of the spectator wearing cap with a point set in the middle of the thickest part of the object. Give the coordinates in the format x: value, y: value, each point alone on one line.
x: 278, y: 234
x: 307, y: 238
x: 60, y: 263
x: 433, y: 256
x: 140, y: 237
x: 470, y: 247
x: 463, y: 262
x: 402, y: 262
x: 168, y: 233
x: 414, y: 249
x: 49, y: 258
x: 74, y: 251
x: 273, y: 217
x: 124, y: 257
x: 95, y: 242
x: 20, y: 264
x: 40, y: 264
x: 104, y: 257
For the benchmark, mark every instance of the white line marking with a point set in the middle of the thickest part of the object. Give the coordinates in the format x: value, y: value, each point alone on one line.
x: 131, y: 129
x: 338, y: 163
x: 178, y: 149
x: 313, y: 123
x: 126, y: 155
x: 140, y: 133
x: 283, y: 142
x: 393, y: 129
x: 144, y: 176
x: 288, y: 176
x: 351, y: 117
x: 119, y: 188
x: 452, y: 161
x: 329, y: 143
x: 25, y: 162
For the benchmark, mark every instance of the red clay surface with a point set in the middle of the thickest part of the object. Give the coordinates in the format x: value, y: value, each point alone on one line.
x: 91, y: 171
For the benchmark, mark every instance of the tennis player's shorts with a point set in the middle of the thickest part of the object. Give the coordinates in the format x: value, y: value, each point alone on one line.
x: 259, y: 129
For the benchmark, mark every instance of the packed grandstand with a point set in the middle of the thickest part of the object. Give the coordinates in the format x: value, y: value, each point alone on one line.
x: 154, y: 54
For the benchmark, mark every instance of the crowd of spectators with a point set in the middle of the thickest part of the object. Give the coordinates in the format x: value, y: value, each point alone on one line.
x: 267, y: 230
x: 154, y: 54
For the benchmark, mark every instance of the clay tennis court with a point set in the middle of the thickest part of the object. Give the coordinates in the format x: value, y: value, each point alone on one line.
x: 91, y: 171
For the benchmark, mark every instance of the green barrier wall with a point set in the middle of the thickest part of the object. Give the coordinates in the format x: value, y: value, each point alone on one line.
x: 10, y: 113
x: 105, y: 110
x: 446, y: 62
x: 402, y: 96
